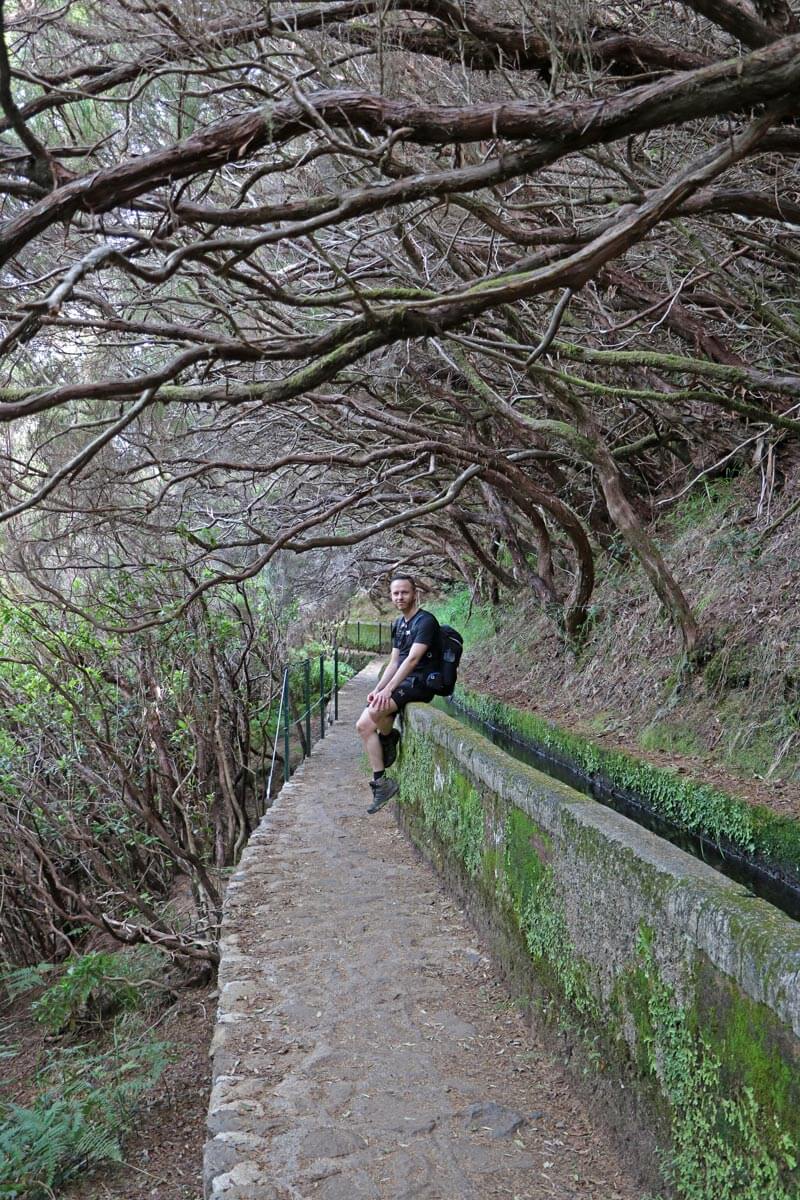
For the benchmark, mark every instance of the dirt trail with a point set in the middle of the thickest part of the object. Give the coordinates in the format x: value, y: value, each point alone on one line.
x: 366, y: 1047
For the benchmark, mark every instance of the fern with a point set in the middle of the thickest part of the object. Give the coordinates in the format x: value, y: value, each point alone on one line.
x: 97, y: 984
x: 88, y: 1102
x: 43, y: 1146
x: 18, y: 981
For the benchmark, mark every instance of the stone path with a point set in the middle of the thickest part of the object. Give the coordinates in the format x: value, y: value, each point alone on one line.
x: 366, y: 1048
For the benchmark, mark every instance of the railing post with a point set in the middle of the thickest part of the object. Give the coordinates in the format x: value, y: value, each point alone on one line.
x: 322, y: 695
x: 380, y: 638
x: 287, y: 770
x: 358, y: 635
x: 336, y: 681
x: 307, y: 691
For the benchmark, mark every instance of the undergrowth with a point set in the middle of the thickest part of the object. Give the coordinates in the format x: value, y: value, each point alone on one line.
x: 735, y: 707
x: 86, y: 1103
x: 87, y: 1092
x: 473, y: 619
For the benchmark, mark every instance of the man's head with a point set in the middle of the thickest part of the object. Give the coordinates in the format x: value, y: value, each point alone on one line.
x: 403, y: 591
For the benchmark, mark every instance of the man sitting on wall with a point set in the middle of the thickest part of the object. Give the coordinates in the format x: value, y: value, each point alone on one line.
x: 415, y: 653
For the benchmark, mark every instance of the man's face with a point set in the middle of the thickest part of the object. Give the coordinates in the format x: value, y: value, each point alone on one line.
x: 403, y: 595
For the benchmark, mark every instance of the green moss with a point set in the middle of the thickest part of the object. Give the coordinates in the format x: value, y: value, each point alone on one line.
x: 687, y: 804
x: 491, y: 868
x: 754, y: 757
x: 523, y: 866
x: 549, y: 944
x: 512, y: 863
x: 756, y: 1051
x: 726, y: 1144
x: 717, y: 1070
x: 449, y: 804
x: 730, y: 667
x: 631, y: 997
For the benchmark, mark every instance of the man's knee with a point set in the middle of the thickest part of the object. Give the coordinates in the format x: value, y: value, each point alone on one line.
x: 365, y: 724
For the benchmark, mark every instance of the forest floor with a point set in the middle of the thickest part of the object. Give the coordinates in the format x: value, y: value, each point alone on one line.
x: 162, y: 1155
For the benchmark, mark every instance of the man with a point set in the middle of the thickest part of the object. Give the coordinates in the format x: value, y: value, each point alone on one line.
x: 415, y: 653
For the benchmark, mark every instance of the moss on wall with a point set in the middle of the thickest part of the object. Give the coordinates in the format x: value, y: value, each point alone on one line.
x: 727, y: 1144
x: 754, y: 1049
x: 714, y: 1070
x: 449, y: 804
x: 695, y: 807
x: 526, y: 848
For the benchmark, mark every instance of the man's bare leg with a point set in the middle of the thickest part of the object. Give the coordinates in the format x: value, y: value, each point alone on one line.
x: 370, y: 724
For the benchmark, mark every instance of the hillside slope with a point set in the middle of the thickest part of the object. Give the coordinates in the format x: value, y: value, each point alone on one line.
x: 735, y: 719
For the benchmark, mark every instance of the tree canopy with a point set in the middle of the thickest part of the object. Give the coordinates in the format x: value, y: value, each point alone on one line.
x: 477, y: 287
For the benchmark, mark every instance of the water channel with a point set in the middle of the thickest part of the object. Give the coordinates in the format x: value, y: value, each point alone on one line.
x: 763, y: 879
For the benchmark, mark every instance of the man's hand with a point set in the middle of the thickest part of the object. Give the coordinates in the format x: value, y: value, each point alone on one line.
x: 379, y: 699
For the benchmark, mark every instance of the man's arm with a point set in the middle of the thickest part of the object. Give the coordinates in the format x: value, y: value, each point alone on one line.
x: 391, y: 679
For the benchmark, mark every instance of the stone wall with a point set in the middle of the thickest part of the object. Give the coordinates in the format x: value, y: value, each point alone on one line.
x: 678, y: 991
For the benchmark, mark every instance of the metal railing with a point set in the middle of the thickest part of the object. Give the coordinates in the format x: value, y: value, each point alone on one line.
x: 304, y: 683
x: 367, y: 635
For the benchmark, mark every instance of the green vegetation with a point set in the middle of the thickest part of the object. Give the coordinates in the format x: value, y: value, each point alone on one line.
x: 704, y: 504
x: 129, y: 757
x: 672, y: 736
x: 87, y: 1091
x: 724, y: 1144
x: 474, y: 619
x: 542, y: 921
x: 312, y: 673
x: 726, y: 1096
x: 374, y: 636
x: 695, y: 807
x: 451, y: 808
x: 86, y: 1102
x: 506, y: 853
x: 129, y: 760
x: 92, y: 985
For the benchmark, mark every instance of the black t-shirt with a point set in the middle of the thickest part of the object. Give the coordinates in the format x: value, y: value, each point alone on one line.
x: 423, y: 627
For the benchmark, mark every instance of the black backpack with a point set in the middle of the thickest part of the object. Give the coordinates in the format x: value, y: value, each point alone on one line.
x: 452, y: 647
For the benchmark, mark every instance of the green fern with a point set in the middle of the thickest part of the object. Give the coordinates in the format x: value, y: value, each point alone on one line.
x: 98, y: 984
x: 43, y: 1146
x: 18, y: 981
x: 88, y: 1102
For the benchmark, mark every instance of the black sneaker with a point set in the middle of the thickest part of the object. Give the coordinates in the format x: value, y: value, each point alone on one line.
x: 389, y: 743
x: 382, y: 792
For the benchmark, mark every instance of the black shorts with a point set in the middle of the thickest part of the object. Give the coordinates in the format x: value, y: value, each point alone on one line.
x: 412, y: 691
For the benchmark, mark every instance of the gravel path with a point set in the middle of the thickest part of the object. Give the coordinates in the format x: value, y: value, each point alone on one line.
x: 366, y: 1046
